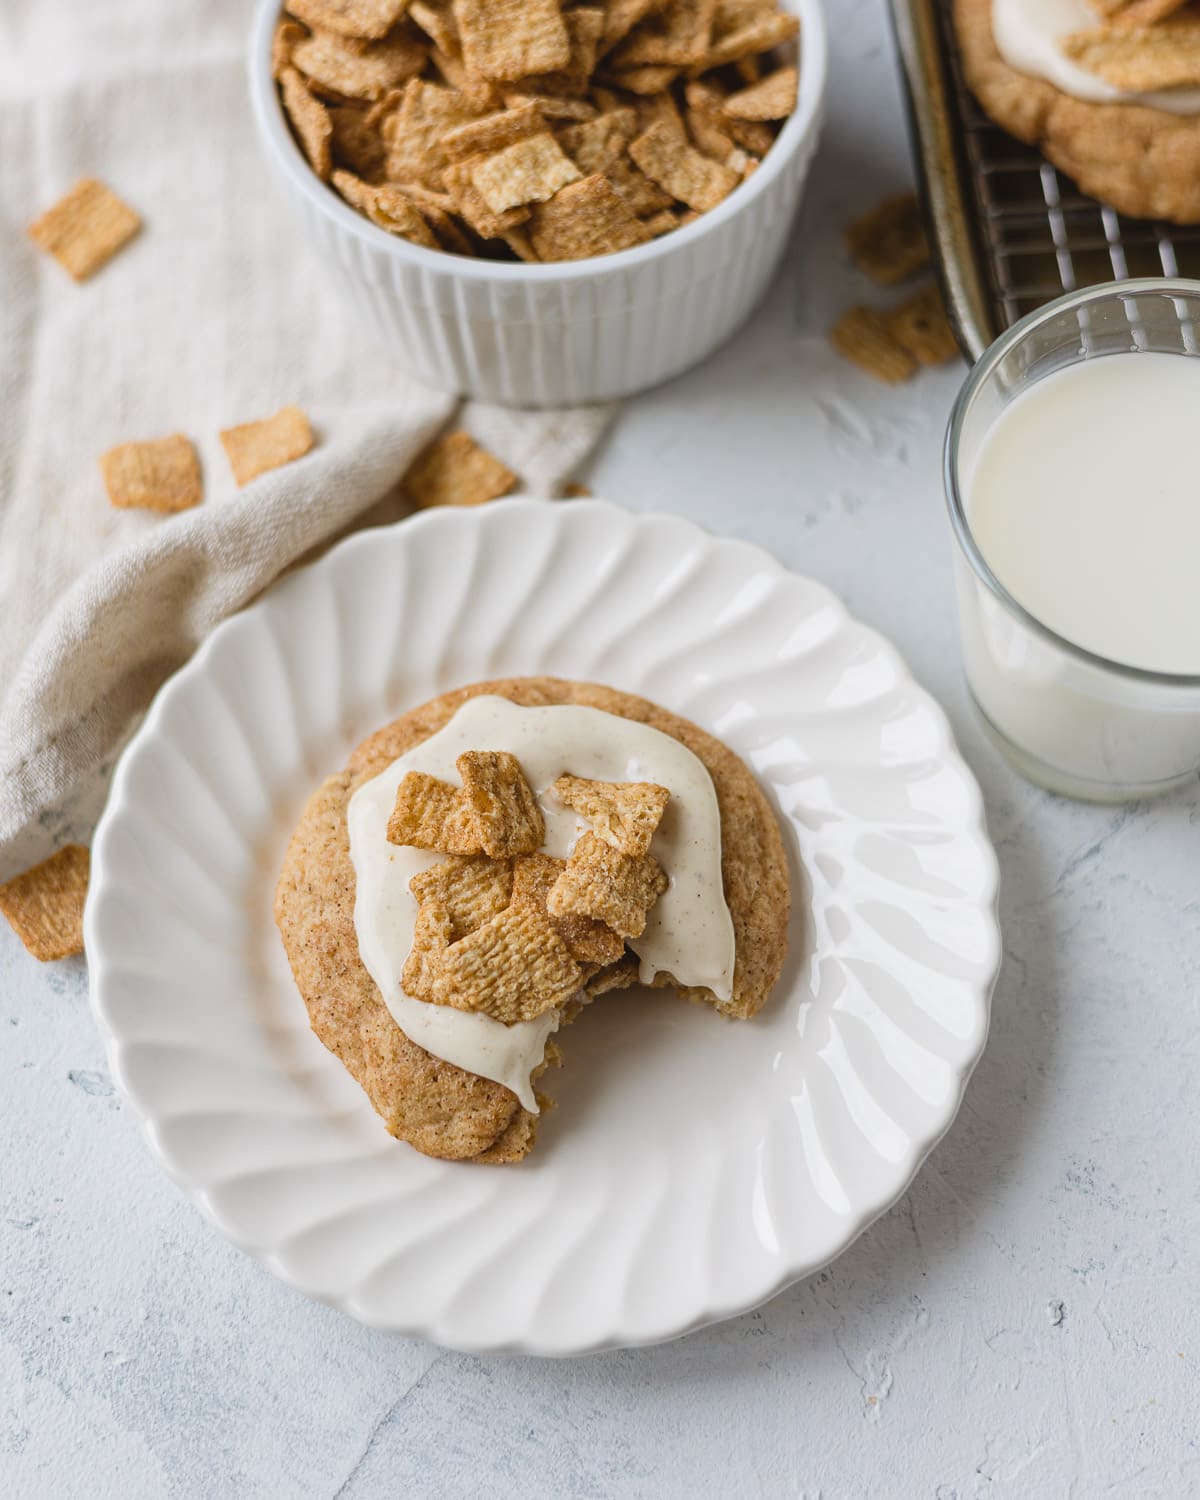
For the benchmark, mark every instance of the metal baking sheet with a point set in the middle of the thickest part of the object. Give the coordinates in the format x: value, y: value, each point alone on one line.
x: 1010, y: 232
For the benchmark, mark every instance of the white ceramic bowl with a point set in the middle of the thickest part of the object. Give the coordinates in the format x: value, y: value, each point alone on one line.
x: 557, y: 335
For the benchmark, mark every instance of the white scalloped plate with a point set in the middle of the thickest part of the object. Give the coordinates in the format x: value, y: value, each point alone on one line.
x: 693, y: 1166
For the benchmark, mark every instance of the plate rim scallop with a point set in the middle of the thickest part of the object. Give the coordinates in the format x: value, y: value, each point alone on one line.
x: 120, y: 807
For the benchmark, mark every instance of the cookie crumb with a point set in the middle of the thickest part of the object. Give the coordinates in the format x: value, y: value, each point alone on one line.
x: 889, y: 243
x: 921, y: 326
x: 455, y: 470
x: 862, y: 336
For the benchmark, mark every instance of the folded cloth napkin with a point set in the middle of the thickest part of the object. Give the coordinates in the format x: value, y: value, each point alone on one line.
x: 217, y: 314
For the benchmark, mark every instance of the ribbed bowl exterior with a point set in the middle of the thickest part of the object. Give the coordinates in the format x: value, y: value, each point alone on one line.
x: 560, y: 335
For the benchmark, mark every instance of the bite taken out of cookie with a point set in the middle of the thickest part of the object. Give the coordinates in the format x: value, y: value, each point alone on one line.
x: 486, y: 866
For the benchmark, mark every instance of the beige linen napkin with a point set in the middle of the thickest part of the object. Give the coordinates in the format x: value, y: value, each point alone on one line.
x: 217, y: 314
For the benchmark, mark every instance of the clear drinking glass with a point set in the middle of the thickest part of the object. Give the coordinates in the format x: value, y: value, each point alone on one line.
x: 1066, y: 718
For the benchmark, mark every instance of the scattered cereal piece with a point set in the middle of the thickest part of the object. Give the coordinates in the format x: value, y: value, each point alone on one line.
x: 455, y: 470
x: 586, y: 218
x: 921, y: 326
x: 161, y: 475
x: 863, y: 337
x: 86, y: 228
x: 387, y: 207
x: 433, y: 933
x: 432, y: 814
x: 471, y: 889
x: 358, y: 70
x: 529, y: 171
x: 534, y: 876
x: 310, y: 120
x: 601, y: 882
x: 255, y: 447
x: 44, y: 906
x: 889, y: 243
x: 624, y: 814
x: 772, y: 99
x: 512, y: 968
x: 1141, y: 58
x: 509, y: 39
x: 370, y: 19
x: 574, y: 491
x: 666, y: 158
x: 507, y: 816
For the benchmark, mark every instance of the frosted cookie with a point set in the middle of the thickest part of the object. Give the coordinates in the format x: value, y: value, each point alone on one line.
x: 1138, y: 150
x: 484, y: 866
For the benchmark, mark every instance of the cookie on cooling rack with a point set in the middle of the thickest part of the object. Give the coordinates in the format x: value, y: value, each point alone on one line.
x: 1141, y: 159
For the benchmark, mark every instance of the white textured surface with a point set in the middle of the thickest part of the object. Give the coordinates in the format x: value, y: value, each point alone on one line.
x: 673, y: 1193
x: 1023, y: 1324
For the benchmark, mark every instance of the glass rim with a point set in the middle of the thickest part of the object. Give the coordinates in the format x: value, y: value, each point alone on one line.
x: 965, y: 537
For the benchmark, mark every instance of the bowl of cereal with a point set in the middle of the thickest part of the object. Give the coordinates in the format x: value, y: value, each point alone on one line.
x: 544, y: 206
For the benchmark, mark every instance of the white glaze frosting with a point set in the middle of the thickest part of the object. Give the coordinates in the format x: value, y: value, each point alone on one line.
x: 689, y: 932
x: 1027, y: 34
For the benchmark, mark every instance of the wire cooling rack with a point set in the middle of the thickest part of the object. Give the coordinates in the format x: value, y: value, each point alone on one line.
x: 1012, y: 232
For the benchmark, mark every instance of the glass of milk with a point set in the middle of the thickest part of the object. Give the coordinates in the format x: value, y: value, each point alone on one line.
x: 1073, y: 483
